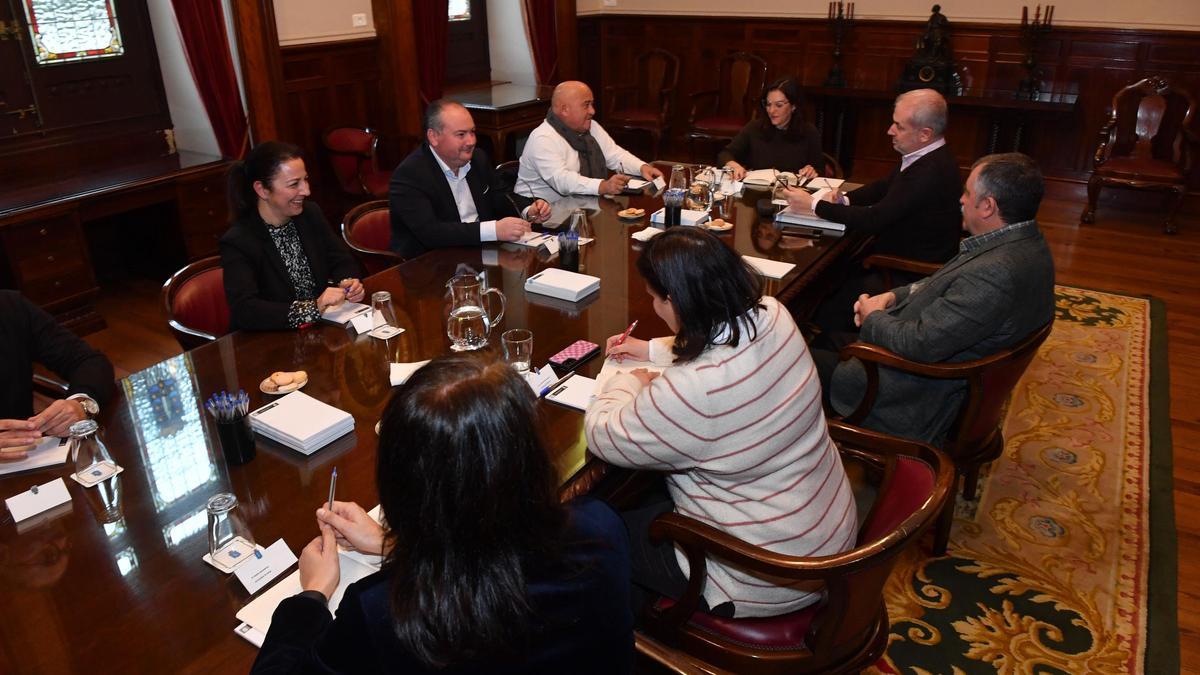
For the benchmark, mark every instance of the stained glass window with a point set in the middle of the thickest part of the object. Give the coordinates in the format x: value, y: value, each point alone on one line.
x: 73, y: 30
x: 460, y: 10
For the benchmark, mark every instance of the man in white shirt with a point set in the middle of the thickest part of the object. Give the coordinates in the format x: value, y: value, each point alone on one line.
x: 446, y: 193
x: 570, y: 153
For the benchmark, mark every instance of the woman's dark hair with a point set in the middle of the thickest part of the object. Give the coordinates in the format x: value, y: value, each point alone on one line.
x: 709, y: 285
x: 791, y: 91
x: 469, y: 496
x: 261, y: 164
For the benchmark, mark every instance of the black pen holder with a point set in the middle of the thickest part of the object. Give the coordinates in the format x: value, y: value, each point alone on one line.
x: 237, y: 443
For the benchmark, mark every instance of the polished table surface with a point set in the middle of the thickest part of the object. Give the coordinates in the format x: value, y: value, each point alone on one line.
x: 116, y: 583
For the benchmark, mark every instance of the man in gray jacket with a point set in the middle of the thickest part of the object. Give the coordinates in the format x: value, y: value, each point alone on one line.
x: 994, y: 293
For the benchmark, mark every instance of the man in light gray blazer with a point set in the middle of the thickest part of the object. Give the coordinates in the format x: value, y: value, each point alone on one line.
x: 994, y: 293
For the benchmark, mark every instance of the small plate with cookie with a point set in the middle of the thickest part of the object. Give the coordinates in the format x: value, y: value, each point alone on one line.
x: 719, y: 225
x: 283, y: 382
x: 631, y: 213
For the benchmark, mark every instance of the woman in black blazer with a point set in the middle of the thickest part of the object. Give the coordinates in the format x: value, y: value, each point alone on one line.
x: 780, y: 139
x: 484, y: 569
x: 283, y: 265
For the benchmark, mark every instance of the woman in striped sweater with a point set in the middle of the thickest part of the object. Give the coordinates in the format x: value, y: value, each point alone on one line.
x: 734, y: 421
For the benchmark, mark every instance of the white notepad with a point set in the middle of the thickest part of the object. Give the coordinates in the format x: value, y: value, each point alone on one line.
x: 760, y: 178
x: 830, y: 183
x: 301, y: 421
x: 559, y: 283
x: 344, y: 312
x: 258, y: 613
x: 612, y: 367
x: 789, y: 217
x: 400, y: 372
x: 576, y: 392
x: 772, y: 269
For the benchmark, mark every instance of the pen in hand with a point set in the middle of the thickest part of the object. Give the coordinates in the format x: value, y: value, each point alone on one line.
x: 625, y: 336
x: 332, y: 487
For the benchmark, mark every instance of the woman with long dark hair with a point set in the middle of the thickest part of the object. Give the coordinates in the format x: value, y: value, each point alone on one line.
x: 734, y: 422
x: 283, y: 265
x: 779, y: 139
x: 484, y: 570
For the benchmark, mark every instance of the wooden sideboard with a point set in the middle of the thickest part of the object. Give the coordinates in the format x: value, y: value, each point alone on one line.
x: 43, y: 225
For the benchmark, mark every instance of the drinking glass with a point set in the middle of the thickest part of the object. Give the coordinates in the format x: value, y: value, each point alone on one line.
x: 229, y: 540
x: 381, y: 304
x: 518, y: 349
x: 700, y: 197
x: 90, y: 457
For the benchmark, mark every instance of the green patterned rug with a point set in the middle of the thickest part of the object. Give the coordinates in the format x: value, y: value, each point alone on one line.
x: 1064, y: 563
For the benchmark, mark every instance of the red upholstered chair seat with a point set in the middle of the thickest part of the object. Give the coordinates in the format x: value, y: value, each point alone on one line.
x: 785, y: 631
x: 1135, y: 168
x: 722, y: 125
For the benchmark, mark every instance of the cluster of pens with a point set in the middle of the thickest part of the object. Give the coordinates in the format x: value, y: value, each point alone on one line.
x: 229, y: 411
x: 225, y: 407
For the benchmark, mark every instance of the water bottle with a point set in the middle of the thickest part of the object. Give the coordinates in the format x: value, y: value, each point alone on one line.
x: 674, y: 196
x: 568, y: 241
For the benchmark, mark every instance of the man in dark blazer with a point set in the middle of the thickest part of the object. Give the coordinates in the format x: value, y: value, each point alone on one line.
x: 446, y: 192
x: 997, y: 291
x: 29, y: 334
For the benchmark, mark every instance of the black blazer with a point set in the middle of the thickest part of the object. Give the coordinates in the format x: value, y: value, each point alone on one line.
x: 914, y: 213
x: 775, y: 150
x: 257, y: 284
x: 583, y: 620
x: 424, y: 215
x: 29, y: 334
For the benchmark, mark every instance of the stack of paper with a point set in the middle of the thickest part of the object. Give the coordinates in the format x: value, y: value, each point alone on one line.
x: 612, y: 367
x: 576, y: 392
x: 562, y: 284
x: 772, y: 269
x: 790, y: 217
x: 760, y: 178
x: 822, y: 183
x: 301, y: 422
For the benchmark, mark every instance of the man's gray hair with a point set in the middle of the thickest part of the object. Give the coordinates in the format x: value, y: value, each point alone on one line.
x: 1014, y: 180
x: 929, y: 110
x: 433, y: 113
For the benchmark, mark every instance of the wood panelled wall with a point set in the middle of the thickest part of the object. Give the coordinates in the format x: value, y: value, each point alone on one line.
x: 329, y: 85
x: 1091, y: 62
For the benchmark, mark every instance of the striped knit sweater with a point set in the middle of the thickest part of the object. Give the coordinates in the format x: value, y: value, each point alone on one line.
x: 742, y: 434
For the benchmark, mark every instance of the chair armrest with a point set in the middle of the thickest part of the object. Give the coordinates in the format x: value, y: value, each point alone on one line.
x: 892, y: 262
x: 674, y: 660
x: 48, y: 386
x: 1106, y: 140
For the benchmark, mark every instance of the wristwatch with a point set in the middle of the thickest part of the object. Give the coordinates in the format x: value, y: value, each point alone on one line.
x: 89, y: 404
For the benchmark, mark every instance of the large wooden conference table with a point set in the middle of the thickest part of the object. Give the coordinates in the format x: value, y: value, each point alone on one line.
x: 114, y: 582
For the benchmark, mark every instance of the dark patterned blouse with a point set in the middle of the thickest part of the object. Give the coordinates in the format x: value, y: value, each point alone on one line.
x: 287, y: 241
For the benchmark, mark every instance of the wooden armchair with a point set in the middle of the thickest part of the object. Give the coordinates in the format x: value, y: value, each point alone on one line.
x: 718, y: 114
x: 974, y: 438
x: 1146, y: 144
x: 848, y: 630
x: 367, y: 230
x: 197, y: 310
x: 646, y: 105
x: 352, y: 152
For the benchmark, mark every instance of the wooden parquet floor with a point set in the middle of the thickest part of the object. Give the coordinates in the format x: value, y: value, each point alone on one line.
x: 1123, y: 252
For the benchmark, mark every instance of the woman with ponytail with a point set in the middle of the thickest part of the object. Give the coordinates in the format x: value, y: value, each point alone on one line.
x: 283, y: 265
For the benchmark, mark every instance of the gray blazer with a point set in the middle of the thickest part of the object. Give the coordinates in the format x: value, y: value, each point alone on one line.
x: 985, y: 299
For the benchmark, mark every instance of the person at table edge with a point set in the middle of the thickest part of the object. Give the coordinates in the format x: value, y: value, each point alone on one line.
x: 782, y: 139
x: 570, y: 153
x: 914, y: 211
x: 446, y: 192
x: 283, y: 265
x: 27, y: 335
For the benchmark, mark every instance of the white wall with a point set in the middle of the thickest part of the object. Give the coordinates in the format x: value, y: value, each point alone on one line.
x: 508, y: 43
x: 309, y: 21
x: 1152, y: 14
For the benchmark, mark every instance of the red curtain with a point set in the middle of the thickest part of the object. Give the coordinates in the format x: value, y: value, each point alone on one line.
x: 202, y: 26
x: 432, y: 25
x: 541, y: 27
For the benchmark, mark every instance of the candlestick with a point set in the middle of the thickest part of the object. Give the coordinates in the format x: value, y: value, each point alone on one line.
x: 1025, y: 15
x: 1037, y: 16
